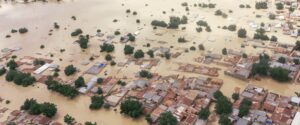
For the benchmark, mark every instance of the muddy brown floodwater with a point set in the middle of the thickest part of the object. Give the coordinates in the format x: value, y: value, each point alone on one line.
x: 99, y: 14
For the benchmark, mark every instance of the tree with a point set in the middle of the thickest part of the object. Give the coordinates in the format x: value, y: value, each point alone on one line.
x: 79, y: 82
x: 262, y: 66
x: 83, y: 42
x: 235, y: 96
x: 145, y: 74
x: 48, y: 109
x: 244, y: 107
x: 69, y: 120
x: 99, y: 80
x: 224, y: 51
x: 242, y: 33
x: 232, y: 27
x: 297, y: 46
x: 150, y: 53
x: 23, y: 30
x: 224, y: 120
x: 37, y: 62
x: 203, y: 114
x: 218, y: 94
x: 96, y: 102
x: 10, y: 75
x: 90, y: 123
x: 167, y: 55
x: 281, y: 60
x: 261, y: 5
x: 148, y: 118
x: 296, y: 62
x: 132, y: 108
x: 273, y: 39
x: 279, y: 6
x: 280, y: 74
x: 139, y: 54
x: 64, y: 89
x: 159, y: 23
x: 76, y: 32
x: 244, y: 55
x: 167, y: 118
x: 128, y: 50
x: 272, y: 16
x: 70, y: 70
x: 2, y: 71
x: 99, y: 91
x: 105, y: 47
x: 12, y: 64
x: 108, y: 57
x: 223, y: 106
x: 201, y: 47
x: 174, y: 22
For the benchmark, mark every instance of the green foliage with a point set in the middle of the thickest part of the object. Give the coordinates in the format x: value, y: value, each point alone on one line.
x: 145, y: 74
x: 90, y: 123
x: 12, y: 64
x: 204, y: 114
x: 281, y: 60
x: 138, y: 54
x: 280, y: 74
x: 105, y: 47
x: 167, y: 55
x: 96, y: 102
x: 34, y: 108
x: 167, y: 118
x: 262, y: 66
x: 218, y: 94
x: 23, y: 30
x: 224, y: 120
x: 99, y: 80
x: 174, y: 22
x: 297, y: 46
x: 66, y: 90
x: 279, y: 6
x: 244, y: 107
x: 128, y: 50
x: 2, y: 71
x: 159, y: 23
x: 261, y: 5
x: 235, y: 96
x: 79, y: 82
x: 296, y: 61
x: 132, y: 108
x: 150, y: 53
x: 224, y: 51
x: 202, y: 23
x: 37, y: 62
x: 148, y: 118
x: 83, y: 42
x: 99, y: 91
x: 76, y: 32
x: 70, y: 70
x: 19, y: 78
x: 223, y: 106
x: 69, y: 120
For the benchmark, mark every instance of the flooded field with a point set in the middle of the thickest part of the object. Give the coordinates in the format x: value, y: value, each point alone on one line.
x: 91, y: 15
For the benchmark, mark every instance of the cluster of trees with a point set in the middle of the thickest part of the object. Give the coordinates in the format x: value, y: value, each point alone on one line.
x: 132, y: 108
x: 35, y: 108
x: 70, y: 70
x: 223, y: 108
x: 261, y: 5
x: 202, y: 23
x: 83, y: 41
x: 105, y: 47
x: 159, y: 23
x: 69, y: 120
x: 145, y: 74
x: 66, y: 90
x: 20, y: 78
x: 244, y: 108
x: 167, y: 118
x: 204, y: 5
x: 260, y: 34
x: 204, y: 113
x: 174, y: 21
x: 96, y: 102
x: 23, y: 30
x: 76, y: 32
x: 242, y: 33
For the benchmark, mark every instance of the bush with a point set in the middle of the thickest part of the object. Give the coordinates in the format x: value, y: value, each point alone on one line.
x: 70, y: 70
x: 159, y: 23
x: 242, y: 33
x: 105, y: 47
x: 23, y: 30
x: 132, y: 108
x: 76, y: 32
x: 139, y: 54
x: 108, y: 57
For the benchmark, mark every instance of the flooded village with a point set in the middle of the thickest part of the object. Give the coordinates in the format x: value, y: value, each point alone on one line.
x: 139, y: 62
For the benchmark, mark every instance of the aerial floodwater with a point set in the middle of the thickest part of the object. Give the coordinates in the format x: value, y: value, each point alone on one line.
x: 140, y: 62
